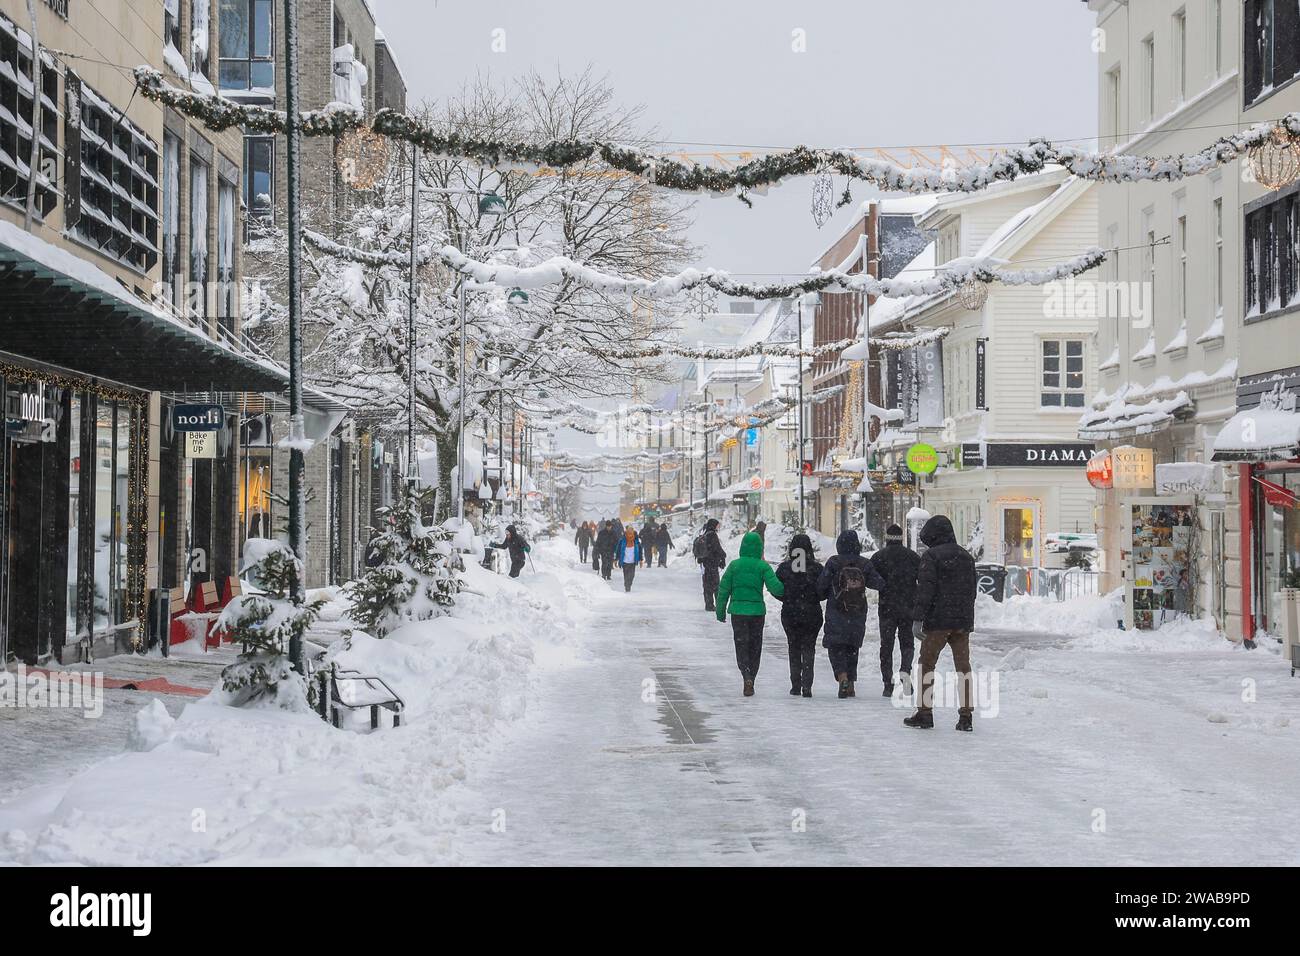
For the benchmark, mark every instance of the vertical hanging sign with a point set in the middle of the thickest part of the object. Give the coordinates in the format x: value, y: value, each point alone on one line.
x: 981, y: 348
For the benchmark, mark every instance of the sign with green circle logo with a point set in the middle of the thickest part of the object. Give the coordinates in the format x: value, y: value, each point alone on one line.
x: 922, y: 459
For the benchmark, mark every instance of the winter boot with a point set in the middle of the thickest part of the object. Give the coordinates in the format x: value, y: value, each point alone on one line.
x: 921, y: 720
x: 888, y: 691
x: 749, y: 688
x: 964, y: 723
x: 844, y: 685
x: 807, y: 691
x: 794, y: 691
x: 852, y: 692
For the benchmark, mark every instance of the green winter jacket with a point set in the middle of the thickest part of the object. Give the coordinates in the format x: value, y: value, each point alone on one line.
x: 742, y: 584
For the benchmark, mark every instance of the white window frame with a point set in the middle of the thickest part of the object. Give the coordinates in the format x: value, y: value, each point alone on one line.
x: 1180, y: 55
x: 1114, y: 94
x: 1180, y: 250
x: 1149, y: 76
x: 1061, y: 388
x: 1216, y: 237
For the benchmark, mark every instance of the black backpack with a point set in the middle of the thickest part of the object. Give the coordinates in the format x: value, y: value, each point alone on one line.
x: 851, y: 590
x: 697, y: 548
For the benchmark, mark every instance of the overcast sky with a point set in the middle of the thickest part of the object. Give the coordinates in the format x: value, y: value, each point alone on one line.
x: 714, y: 74
x: 874, y: 73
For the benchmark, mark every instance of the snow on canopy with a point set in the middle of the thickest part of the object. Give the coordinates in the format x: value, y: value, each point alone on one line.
x: 1269, y: 432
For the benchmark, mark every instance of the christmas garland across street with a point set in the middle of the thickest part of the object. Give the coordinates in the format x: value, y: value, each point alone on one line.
x: 558, y: 269
x: 752, y: 177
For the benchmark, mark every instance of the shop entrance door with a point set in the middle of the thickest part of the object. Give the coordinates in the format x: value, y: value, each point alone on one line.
x: 20, y: 615
x: 1019, y: 540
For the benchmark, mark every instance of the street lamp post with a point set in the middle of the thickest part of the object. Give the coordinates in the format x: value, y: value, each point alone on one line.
x: 294, y: 224
x: 412, y: 473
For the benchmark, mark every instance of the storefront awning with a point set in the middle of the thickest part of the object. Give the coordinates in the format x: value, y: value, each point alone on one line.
x: 60, y: 309
x: 1121, y: 419
x: 1259, y: 434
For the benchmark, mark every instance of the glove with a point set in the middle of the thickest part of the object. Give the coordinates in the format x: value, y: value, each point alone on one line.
x: 917, y: 631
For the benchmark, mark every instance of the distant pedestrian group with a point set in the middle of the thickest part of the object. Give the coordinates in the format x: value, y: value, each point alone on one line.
x: 928, y: 598
x: 612, y: 544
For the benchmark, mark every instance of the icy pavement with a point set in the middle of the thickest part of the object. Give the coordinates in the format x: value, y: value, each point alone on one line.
x: 557, y: 720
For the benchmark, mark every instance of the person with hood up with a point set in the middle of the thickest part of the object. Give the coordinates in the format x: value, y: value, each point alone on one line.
x: 648, y: 531
x: 583, y: 540
x: 801, y: 611
x: 663, y: 544
x: 712, y: 558
x: 741, y: 589
x: 604, y: 550
x: 897, y: 564
x: 627, y: 552
x: 943, y: 615
x: 843, y: 586
x: 518, y: 548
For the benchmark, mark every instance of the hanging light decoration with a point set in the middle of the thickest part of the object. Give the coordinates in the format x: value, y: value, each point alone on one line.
x: 823, y: 198
x: 972, y: 293
x: 362, y: 157
x: 1275, y: 163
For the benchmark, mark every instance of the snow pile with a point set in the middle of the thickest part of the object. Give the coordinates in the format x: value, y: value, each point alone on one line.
x: 284, y: 788
x: 1177, y: 636
x: 1075, y: 617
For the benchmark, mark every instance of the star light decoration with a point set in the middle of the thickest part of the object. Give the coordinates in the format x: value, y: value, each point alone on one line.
x: 362, y: 157
x: 823, y: 198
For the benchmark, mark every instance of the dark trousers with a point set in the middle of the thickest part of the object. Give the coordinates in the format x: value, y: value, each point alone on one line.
x: 711, y: 578
x: 582, y: 553
x: 932, y: 645
x: 629, y: 572
x: 595, y: 558
x: 516, y: 565
x: 844, y: 659
x: 747, y: 631
x: 663, y: 557
x: 648, y: 554
x: 892, y: 628
x: 802, y: 643
x: 606, y: 565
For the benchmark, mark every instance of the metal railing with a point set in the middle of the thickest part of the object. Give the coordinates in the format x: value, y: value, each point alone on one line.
x: 1059, y: 583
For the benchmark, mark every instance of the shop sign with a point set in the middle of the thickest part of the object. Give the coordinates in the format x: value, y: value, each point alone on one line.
x: 198, y: 418
x: 29, y: 415
x: 1277, y: 495
x: 1188, y: 478
x: 1100, y: 471
x: 922, y: 459
x: 1037, y: 454
x: 740, y: 499
x: 972, y: 455
x: 1133, y: 467
x: 200, y: 444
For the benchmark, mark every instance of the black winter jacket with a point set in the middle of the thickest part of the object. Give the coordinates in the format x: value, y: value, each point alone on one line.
x: 714, y: 555
x: 898, y: 565
x: 663, y: 540
x: 945, y: 587
x: 801, y: 607
x: 605, y: 541
x: 842, y: 628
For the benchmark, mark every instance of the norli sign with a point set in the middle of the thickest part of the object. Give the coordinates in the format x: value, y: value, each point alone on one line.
x: 199, y: 426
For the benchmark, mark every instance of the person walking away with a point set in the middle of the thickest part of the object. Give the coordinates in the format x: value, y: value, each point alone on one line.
x: 604, y: 549
x: 801, y: 611
x: 843, y: 586
x: 648, y: 540
x: 628, y: 553
x: 583, y: 540
x: 943, y: 615
x: 663, y: 544
x: 712, y: 558
x: 897, y: 565
x: 518, y: 548
x: 741, y: 590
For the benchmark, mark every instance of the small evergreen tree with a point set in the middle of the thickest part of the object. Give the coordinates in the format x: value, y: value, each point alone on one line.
x: 414, y: 574
x: 265, y: 623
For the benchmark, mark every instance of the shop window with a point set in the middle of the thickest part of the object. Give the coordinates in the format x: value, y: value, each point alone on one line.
x: 199, y: 33
x: 172, y: 24
x: 245, y: 47
x: 74, y: 512
x: 1062, y: 373
x: 118, y: 206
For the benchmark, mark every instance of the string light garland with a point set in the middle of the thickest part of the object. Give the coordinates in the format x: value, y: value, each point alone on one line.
x: 362, y: 157
x: 1275, y: 163
x: 742, y: 180
x: 972, y: 294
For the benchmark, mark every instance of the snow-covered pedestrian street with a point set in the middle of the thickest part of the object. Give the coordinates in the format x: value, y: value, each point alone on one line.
x: 601, y: 773
x: 558, y: 720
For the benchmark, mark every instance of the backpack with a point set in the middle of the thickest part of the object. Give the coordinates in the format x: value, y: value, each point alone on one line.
x: 851, y: 590
x: 697, y: 548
